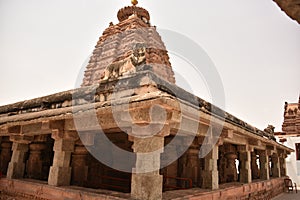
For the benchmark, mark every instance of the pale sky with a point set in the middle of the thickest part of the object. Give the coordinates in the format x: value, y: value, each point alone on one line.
x: 253, y: 44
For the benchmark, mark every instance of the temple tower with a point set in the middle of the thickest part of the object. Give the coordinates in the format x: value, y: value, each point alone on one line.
x: 124, y: 46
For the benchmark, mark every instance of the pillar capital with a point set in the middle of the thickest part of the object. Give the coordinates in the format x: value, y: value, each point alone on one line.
x: 21, y: 139
x: 58, y: 134
x: 153, y: 129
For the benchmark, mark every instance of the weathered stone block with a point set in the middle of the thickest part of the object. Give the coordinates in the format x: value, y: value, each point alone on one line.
x: 64, y: 145
x: 15, y: 170
x: 62, y: 158
x: 59, y: 176
x: 146, y: 187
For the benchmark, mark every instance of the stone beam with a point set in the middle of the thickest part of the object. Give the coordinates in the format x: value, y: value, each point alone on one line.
x: 236, y: 139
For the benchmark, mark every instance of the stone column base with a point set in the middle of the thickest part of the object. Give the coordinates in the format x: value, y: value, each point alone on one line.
x: 15, y: 170
x: 210, y: 180
x: 59, y: 176
x: 146, y: 186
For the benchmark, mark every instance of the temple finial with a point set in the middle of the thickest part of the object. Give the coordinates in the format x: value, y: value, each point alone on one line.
x: 134, y: 2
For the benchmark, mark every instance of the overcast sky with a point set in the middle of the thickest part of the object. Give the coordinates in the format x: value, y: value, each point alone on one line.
x: 255, y: 48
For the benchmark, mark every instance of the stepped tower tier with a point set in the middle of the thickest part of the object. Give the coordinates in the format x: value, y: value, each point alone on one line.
x: 125, y: 46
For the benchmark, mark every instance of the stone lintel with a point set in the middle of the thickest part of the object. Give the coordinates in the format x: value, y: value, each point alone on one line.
x: 236, y: 139
x: 31, y: 128
x: 245, y: 148
x: 227, y: 134
x: 14, y: 129
x: 254, y: 142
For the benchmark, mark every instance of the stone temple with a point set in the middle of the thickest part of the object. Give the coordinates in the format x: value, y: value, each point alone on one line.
x: 130, y: 133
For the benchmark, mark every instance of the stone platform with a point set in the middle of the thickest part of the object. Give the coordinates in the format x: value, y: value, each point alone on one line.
x: 31, y: 189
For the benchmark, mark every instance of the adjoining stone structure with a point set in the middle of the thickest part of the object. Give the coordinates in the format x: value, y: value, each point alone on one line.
x: 290, y: 136
x: 129, y: 91
x: 291, y: 8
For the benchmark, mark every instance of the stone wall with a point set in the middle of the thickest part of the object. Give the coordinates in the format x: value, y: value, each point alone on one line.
x: 257, y: 190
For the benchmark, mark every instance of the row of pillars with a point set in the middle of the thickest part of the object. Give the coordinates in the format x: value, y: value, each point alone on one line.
x: 144, y: 184
x: 219, y: 166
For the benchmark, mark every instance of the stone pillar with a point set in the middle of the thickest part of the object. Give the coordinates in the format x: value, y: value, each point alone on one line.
x: 60, y: 171
x: 146, y: 182
x: 254, y: 167
x: 221, y: 165
x: 210, y: 175
x: 230, y: 170
x: 16, y: 167
x: 275, y: 166
x: 192, y: 166
x: 264, y: 165
x: 172, y: 169
x: 282, y: 166
x: 34, y: 166
x: 5, y: 156
x: 245, y: 166
x: 79, y: 165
